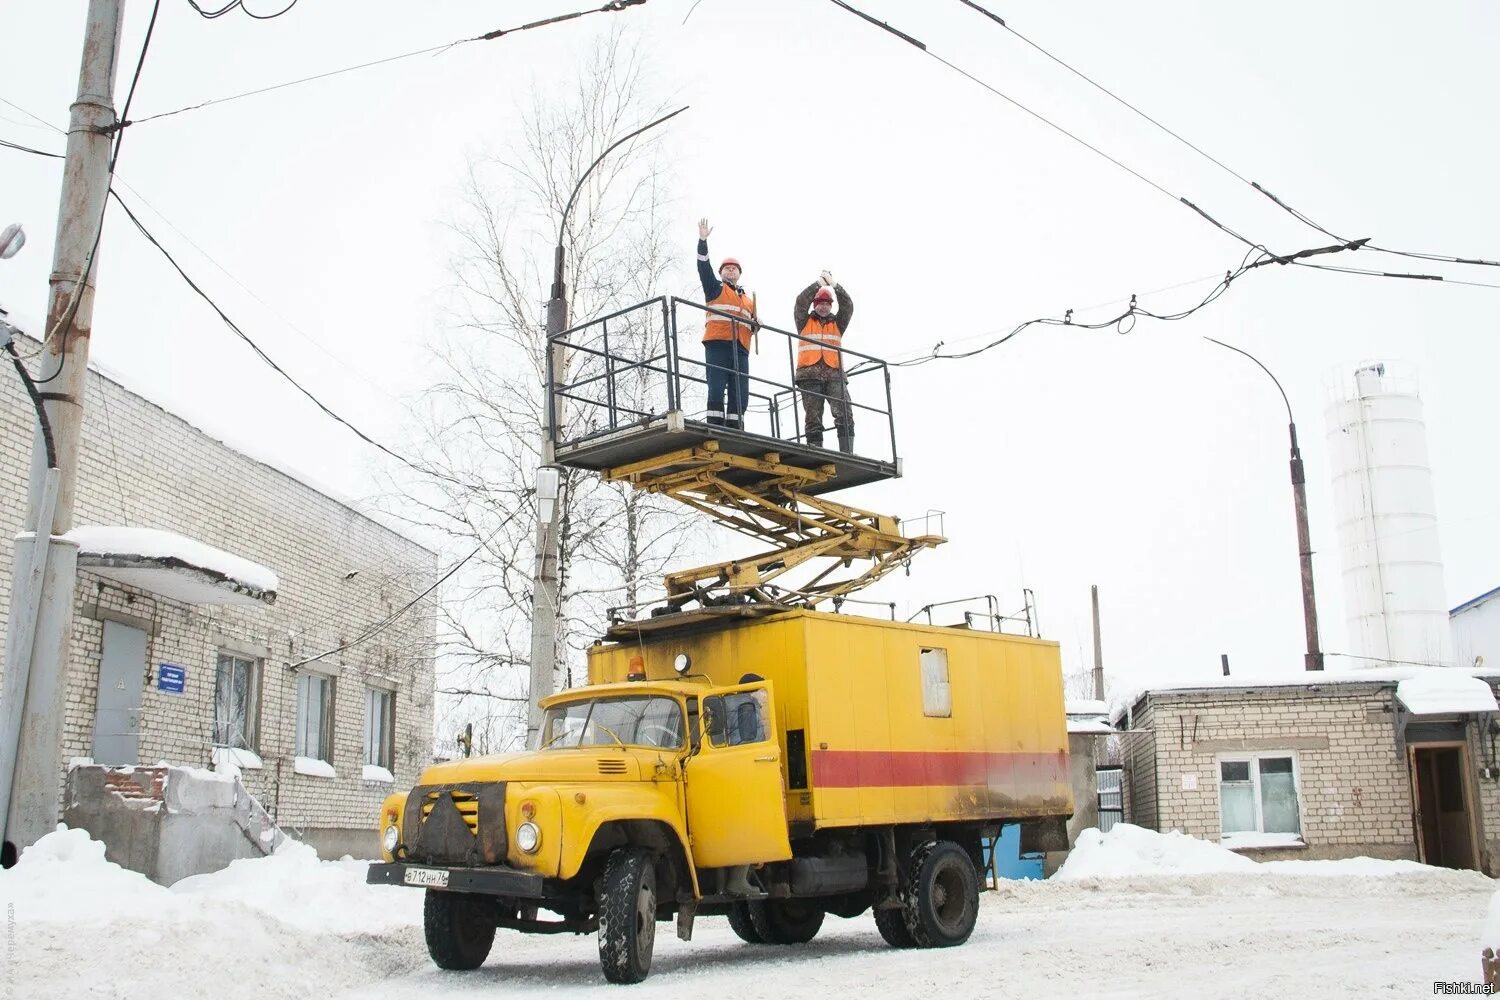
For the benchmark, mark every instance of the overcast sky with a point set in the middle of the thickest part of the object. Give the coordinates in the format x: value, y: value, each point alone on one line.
x: 1152, y: 464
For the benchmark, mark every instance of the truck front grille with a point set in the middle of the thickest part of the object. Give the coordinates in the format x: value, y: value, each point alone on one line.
x: 612, y: 767
x: 457, y: 824
x: 468, y: 807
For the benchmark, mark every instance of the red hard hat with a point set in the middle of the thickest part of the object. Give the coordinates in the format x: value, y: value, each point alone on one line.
x: 823, y: 295
x: 729, y: 260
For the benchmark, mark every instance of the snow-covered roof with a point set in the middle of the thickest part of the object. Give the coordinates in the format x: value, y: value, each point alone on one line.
x: 1444, y: 691
x: 1086, y: 706
x: 173, y: 565
x: 1128, y: 697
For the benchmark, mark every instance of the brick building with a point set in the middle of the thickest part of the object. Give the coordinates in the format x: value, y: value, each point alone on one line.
x: 1364, y: 763
x: 199, y: 672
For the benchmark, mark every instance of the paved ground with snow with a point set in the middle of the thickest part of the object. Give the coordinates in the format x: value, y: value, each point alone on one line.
x: 293, y: 926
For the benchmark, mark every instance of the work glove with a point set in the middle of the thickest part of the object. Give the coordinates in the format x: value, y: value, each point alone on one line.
x: 826, y: 277
x: 704, y: 229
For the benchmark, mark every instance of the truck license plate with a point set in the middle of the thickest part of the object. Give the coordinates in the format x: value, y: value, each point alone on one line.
x: 426, y: 876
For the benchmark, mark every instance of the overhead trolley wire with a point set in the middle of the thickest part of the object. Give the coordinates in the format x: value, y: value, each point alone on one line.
x: 1299, y: 216
x: 612, y: 7
x: 922, y: 47
x: 269, y: 361
x: 240, y: 5
x: 371, y: 631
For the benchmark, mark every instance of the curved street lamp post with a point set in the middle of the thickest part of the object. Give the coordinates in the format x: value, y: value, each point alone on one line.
x: 1313, y: 658
x: 545, y: 584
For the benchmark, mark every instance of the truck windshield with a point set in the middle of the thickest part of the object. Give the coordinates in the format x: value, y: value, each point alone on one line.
x: 649, y: 721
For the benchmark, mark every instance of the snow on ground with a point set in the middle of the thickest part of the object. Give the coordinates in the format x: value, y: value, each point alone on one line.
x: 1128, y: 850
x: 293, y: 926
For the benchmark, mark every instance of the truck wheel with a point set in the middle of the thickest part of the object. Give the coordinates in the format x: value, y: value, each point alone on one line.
x: 787, y: 921
x: 892, y: 926
x: 459, y: 927
x: 941, y: 897
x: 742, y: 924
x: 627, y: 915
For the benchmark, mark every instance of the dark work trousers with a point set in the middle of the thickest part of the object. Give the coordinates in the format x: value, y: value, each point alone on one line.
x: 820, y: 383
x: 728, y: 375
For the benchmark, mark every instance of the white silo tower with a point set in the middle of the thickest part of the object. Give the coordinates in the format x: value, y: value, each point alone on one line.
x: 1395, y: 602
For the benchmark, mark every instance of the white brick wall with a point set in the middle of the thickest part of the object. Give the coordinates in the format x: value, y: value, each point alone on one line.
x: 156, y: 470
x: 1355, y: 793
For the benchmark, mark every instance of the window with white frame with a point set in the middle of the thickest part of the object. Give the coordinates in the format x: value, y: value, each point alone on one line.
x: 236, y: 701
x: 315, y: 716
x: 380, y: 728
x: 937, y: 696
x: 1258, y: 798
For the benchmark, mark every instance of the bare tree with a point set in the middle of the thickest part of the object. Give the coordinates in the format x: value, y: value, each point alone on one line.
x: 482, y: 423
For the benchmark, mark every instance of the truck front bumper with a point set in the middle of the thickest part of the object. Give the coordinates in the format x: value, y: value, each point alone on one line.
x: 490, y: 881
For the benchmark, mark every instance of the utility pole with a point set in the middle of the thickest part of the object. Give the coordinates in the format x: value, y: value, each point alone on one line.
x: 1313, y: 659
x: 1098, y: 648
x: 545, y: 589
x: 44, y: 570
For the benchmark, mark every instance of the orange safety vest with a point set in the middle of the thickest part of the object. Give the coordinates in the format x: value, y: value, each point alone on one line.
x: 737, y: 302
x: 822, y: 343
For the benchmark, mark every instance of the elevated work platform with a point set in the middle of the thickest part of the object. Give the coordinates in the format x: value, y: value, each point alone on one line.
x: 675, y: 437
x: 628, y: 404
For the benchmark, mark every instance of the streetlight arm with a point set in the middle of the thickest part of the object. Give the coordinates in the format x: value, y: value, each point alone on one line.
x: 1263, y: 368
x: 568, y: 210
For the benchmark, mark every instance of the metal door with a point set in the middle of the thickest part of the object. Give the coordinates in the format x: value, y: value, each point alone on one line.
x: 1111, y: 798
x: 122, y: 677
x: 736, y: 802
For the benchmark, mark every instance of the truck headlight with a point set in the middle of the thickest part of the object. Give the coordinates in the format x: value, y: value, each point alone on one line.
x: 528, y: 837
x: 391, y: 839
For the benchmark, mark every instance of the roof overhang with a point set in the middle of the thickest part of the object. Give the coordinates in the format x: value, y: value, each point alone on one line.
x: 173, y: 566
x: 175, y: 580
x: 1440, y: 691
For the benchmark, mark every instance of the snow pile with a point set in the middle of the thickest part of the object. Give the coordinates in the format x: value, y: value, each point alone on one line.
x: 154, y: 543
x: 1127, y: 851
x: 1439, y: 691
x: 65, y: 877
x: 83, y: 926
x: 297, y: 888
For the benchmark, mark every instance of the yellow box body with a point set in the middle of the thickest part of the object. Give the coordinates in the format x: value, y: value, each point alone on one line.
x: 871, y: 754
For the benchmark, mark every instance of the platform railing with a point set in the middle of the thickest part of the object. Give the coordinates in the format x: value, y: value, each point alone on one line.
x: 637, y: 364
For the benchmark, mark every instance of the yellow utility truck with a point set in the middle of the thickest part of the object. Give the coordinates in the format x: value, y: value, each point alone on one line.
x: 772, y: 766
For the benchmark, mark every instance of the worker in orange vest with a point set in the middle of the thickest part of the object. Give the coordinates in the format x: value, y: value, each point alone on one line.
x: 726, y: 335
x: 820, y: 364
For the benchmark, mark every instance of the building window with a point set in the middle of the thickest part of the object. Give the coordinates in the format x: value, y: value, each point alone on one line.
x: 315, y: 716
x: 236, y: 699
x: 1258, y: 800
x: 937, y: 696
x: 380, y: 728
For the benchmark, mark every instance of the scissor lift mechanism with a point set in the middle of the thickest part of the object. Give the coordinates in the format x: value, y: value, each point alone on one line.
x: 769, y: 486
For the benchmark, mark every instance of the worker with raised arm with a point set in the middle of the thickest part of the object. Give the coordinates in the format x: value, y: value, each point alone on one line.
x: 726, y: 335
x: 820, y: 363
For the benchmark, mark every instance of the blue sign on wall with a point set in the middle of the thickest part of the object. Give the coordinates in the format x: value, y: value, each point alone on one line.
x: 170, y: 679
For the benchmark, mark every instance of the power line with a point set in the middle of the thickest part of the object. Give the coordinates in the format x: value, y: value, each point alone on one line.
x: 1124, y: 322
x: 240, y: 5
x: 27, y: 149
x: 44, y: 122
x: 612, y: 7
x: 1301, y: 217
x: 346, y: 364
x: 389, y: 620
x: 1398, y: 274
x: 269, y: 361
x: 922, y: 47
